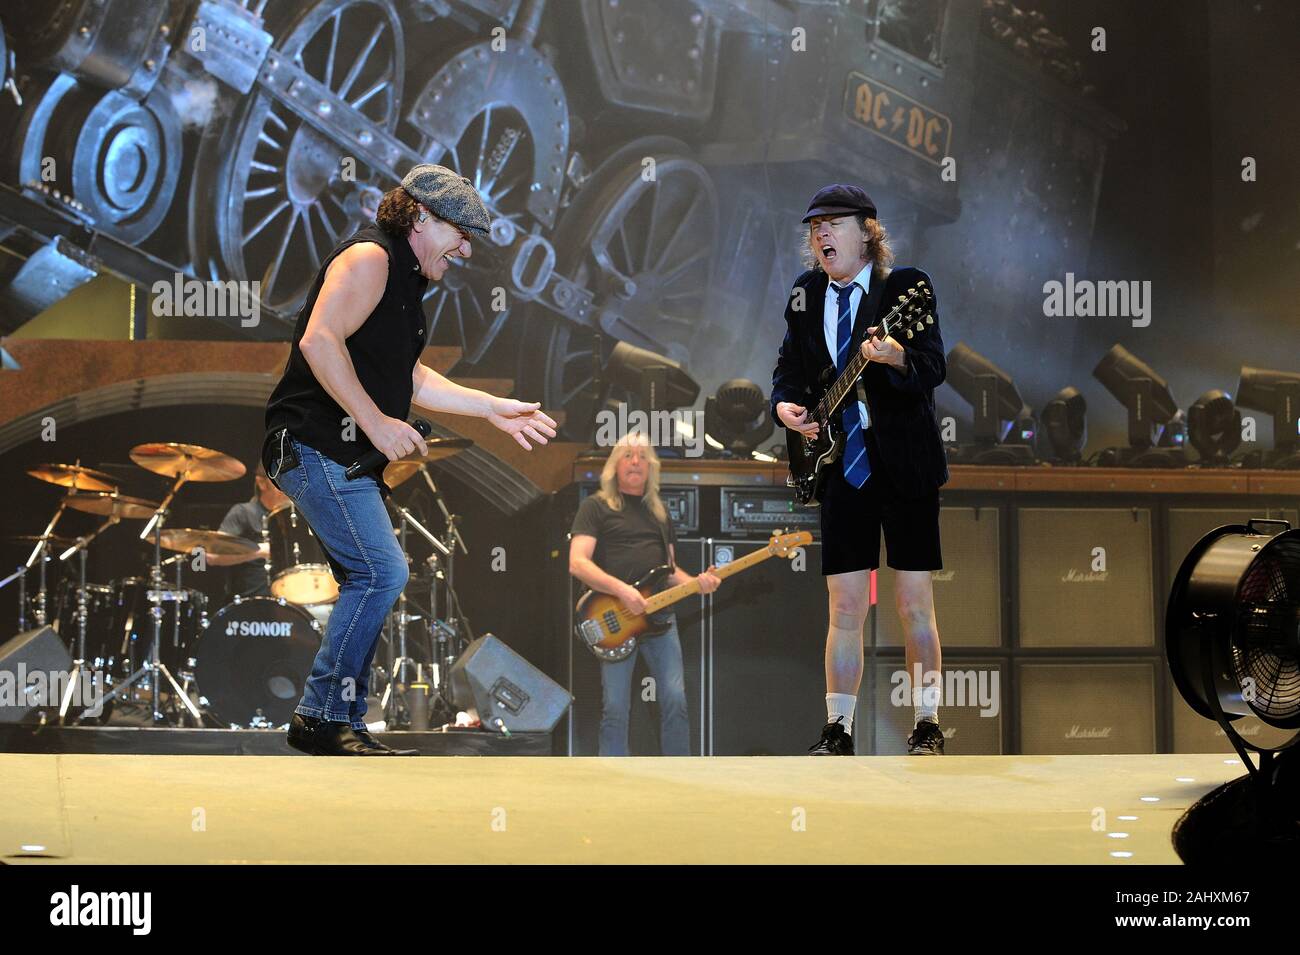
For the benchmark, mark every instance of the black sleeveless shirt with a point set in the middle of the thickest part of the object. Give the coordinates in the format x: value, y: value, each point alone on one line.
x: 384, y: 351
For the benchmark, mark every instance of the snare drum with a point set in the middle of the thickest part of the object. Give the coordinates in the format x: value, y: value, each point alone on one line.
x: 300, y: 572
x: 252, y: 660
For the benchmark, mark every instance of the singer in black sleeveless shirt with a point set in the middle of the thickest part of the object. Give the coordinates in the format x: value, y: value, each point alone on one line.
x: 352, y: 375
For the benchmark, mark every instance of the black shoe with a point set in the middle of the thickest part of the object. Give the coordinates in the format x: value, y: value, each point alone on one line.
x: 834, y: 741
x: 317, y: 737
x: 365, y: 737
x: 926, y: 740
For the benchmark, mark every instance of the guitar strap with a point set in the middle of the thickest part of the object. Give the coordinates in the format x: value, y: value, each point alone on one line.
x: 663, y: 534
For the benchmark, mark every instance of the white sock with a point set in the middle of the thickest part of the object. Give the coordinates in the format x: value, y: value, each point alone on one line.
x: 841, y: 705
x: 925, y: 704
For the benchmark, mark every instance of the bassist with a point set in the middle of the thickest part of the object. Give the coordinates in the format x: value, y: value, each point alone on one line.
x: 893, y: 463
x: 620, y: 534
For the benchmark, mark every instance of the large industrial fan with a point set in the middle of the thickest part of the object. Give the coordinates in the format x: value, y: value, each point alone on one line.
x: 1232, y: 633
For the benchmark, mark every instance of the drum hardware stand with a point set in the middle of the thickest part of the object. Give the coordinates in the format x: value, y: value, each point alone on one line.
x: 42, y: 548
x: 81, y: 548
x: 449, y: 624
x: 20, y: 575
x: 153, y: 667
x: 397, y: 678
x: 80, y: 662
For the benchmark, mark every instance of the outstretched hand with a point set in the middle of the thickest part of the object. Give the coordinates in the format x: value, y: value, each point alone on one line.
x: 524, y: 420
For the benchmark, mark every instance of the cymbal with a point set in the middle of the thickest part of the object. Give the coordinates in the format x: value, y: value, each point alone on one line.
x: 110, y: 503
x: 185, y: 539
x: 52, y: 538
x: 171, y: 458
x: 74, y: 476
x: 395, y: 472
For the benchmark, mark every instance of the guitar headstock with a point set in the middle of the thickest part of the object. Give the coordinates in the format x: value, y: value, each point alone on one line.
x: 784, y: 545
x: 912, y: 312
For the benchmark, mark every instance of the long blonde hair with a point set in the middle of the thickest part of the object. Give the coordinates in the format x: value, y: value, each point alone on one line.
x: 609, y: 492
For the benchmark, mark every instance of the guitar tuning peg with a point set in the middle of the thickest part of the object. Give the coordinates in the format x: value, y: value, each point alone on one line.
x: 929, y: 319
x: 921, y: 283
x: 920, y: 327
x: 909, y: 333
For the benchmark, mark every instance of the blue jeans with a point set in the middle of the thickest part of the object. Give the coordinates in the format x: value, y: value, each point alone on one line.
x: 663, y: 653
x: 351, y: 522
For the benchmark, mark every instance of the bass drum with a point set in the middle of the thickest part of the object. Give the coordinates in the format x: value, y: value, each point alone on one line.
x: 252, y: 661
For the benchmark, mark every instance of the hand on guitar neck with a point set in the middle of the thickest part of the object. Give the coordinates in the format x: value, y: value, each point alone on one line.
x: 884, y: 350
x: 634, y: 602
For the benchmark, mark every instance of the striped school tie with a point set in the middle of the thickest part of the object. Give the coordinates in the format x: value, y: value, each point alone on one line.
x: 856, y: 467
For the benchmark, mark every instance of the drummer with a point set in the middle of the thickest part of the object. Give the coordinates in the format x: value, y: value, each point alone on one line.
x: 248, y: 575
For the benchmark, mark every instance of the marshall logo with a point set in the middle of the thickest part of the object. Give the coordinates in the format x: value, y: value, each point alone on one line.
x: 259, y: 628
x: 1073, y: 576
x: 1088, y: 732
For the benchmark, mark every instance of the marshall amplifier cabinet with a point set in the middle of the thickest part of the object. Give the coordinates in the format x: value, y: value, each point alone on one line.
x: 1193, y: 733
x: 766, y: 646
x: 1085, y: 577
x: 967, y: 591
x: 972, y: 710
x: 1087, y: 707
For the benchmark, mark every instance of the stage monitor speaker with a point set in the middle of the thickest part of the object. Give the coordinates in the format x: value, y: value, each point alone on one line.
x: 1085, y: 577
x: 767, y: 649
x: 967, y: 592
x: 34, y: 666
x: 500, y: 684
x: 1193, y: 733
x: 971, y: 710
x: 1187, y: 525
x: 1087, y: 708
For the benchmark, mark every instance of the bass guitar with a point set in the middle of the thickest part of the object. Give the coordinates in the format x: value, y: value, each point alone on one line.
x: 610, y: 630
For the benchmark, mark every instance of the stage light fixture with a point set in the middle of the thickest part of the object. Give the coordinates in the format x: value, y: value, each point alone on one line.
x: 736, y: 416
x: 1150, y: 406
x: 1214, y: 428
x: 661, y: 382
x: 1276, y: 393
x: 997, y: 409
x: 1065, y: 422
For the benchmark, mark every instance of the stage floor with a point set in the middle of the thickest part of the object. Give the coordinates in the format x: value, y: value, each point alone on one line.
x: 457, y: 810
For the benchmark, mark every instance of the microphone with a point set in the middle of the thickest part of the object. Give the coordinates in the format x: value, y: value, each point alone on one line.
x: 374, y: 457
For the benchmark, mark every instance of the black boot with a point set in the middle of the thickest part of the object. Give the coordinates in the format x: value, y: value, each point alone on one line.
x: 317, y: 737
x: 365, y: 737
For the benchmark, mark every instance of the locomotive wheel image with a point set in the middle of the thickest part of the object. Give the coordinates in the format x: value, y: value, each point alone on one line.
x: 270, y: 196
x: 501, y: 121
x: 645, y: 248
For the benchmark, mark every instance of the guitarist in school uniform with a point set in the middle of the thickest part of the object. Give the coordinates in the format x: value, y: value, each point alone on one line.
x: 893, y: 462
x: 620, y: 534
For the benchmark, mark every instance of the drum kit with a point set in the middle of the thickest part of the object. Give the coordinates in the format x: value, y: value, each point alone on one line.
x: 155, y: 644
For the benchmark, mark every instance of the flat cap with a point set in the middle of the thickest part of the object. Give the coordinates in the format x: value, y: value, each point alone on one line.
x: 838, y: 200
x: 448, y: 195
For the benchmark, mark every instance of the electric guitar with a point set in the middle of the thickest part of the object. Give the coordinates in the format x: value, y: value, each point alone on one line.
x: 610, y: 630
x: 810, y: 457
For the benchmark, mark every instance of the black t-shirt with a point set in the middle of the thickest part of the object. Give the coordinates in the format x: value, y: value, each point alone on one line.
x: 245, y: 520
x: 384, y: 351
x: 629, y: 542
